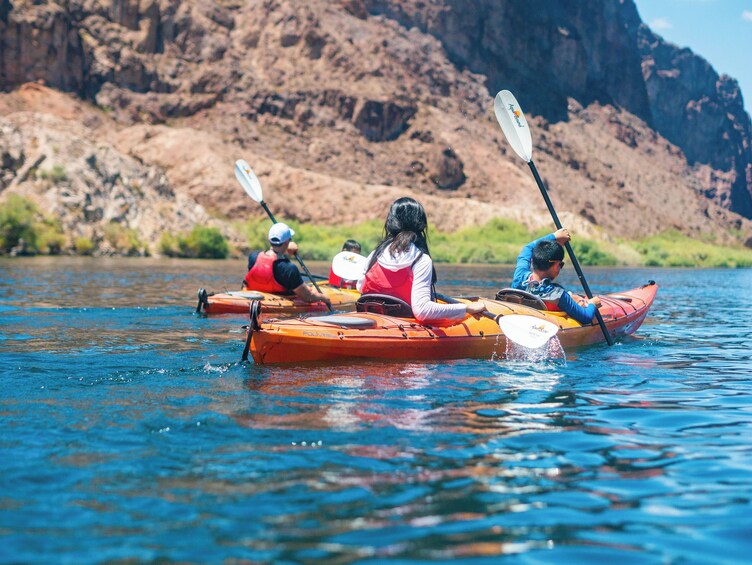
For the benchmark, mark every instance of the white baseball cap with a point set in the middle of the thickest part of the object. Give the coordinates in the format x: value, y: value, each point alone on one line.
x: 279, y: 233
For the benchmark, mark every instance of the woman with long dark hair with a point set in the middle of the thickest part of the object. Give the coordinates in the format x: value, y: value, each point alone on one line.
x: 401, y: 266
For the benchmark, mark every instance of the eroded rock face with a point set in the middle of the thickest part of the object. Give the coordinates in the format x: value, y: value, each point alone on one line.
x: 702, y: 113
x: 580, y: 49
x: 88, y: 184
x: 364, y: 99
x: 595, y: 51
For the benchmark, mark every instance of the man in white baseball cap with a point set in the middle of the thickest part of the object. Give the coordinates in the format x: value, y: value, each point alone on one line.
x: 272, y: 271
x: 279, y: 233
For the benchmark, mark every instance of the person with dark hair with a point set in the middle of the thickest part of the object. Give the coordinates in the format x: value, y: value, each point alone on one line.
x: 272, y: 271
x: 538, y: 264
x: 354, y: 247
x: 351, y: 245
x: 401, y: 266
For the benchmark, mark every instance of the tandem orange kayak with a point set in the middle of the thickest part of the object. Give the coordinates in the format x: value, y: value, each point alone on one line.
x: 239, y: 302
x: 367, y: 335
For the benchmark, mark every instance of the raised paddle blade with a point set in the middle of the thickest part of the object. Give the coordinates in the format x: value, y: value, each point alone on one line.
x: 528, y: 331
x: 348, y: 265
x: 247, y: 179
x: 513, y: 124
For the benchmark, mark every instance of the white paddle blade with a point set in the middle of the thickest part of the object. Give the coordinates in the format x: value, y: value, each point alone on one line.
x: 348, y: 265
x: 247, y: 179
x: 513, y: 124
x: 527, y: 331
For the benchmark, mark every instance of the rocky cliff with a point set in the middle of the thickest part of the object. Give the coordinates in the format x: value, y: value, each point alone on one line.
x: 340, y: 106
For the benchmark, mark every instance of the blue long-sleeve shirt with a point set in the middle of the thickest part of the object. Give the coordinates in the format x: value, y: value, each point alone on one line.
x: 547, y: 290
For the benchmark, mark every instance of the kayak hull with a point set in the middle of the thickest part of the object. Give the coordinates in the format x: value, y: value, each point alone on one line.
x: 275, y: 305
x: 374, y: 336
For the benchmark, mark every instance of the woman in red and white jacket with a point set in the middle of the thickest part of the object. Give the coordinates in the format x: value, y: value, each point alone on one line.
x: 401, y: 266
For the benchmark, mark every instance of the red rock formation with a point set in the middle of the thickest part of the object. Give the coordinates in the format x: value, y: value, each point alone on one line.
x: 344, y: 105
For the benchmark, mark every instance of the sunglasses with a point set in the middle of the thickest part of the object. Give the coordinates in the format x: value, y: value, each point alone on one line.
x: 561, y: 263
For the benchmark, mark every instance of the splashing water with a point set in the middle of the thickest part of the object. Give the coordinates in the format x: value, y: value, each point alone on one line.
x: 551, y: 350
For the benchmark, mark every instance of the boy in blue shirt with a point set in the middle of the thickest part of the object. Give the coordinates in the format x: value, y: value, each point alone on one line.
x: 538, y: 264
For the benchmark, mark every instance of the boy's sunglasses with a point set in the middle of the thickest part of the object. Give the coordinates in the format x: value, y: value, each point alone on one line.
x: 561, y: 263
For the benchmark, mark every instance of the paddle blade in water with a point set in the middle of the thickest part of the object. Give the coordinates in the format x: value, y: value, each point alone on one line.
x: 513, y: 124
x: 527, y: 331
x: 247, y: 179
x: 348, y: 265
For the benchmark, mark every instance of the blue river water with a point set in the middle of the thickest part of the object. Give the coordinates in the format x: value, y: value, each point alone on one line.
x: 130, y: 432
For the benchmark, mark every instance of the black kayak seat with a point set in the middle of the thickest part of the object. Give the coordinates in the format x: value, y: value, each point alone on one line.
x: 352, y: 322
x: 522, y: 297
x: 383, y: 304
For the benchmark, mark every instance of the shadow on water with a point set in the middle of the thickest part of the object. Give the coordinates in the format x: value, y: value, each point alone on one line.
x: 130, y: 432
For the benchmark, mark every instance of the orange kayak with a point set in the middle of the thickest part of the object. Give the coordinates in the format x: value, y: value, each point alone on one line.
x: 239, y: 302
x: 365, y: 335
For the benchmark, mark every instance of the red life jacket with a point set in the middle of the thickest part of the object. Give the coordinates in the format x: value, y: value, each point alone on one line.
x: 339, y: 282
x: 392, y: 283
x: 261, y: 275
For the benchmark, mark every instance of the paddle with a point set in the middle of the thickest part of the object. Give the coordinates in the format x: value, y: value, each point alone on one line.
x: 527, y: 331
x: 250, y: 183
x: 349, y: 266
x: 515, y: 128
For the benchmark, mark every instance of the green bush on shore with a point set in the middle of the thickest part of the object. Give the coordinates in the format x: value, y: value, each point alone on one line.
x: 124, y: 240
x: 25, y: 230
x: 201, y: 243
x: 673, y: 249
x: 83, y: 246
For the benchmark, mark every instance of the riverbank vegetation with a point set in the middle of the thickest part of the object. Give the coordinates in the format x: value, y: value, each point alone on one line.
x: 25, y: 230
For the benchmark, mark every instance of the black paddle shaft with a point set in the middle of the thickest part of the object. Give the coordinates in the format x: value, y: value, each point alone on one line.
x: 307, y: 272
x: 450, y: 300
x: 570, y: 251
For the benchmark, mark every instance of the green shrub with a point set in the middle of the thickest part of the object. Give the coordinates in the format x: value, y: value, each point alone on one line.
x: 17, y: 221
x: 20, y: 219
x: 204, y: 243
x: 673, y: 249
x: 588, y: 252
x: 50, y: 237
x: 169, y: 245
x: 123, y: 240
x: 55, y: 174
x: 83, y: 246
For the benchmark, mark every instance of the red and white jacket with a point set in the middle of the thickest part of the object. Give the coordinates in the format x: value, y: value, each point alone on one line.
x: 408, y: 276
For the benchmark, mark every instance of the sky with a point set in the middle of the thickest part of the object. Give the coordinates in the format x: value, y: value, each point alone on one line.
x: 720, y: 31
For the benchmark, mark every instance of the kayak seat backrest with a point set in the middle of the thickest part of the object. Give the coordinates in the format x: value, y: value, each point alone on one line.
x: 384, y: 304
x: 521, y: 297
